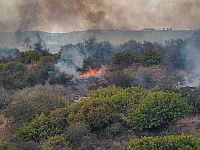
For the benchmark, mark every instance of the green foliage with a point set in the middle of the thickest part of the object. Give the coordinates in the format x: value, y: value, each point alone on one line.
x: 55, y: 143
x: 29, y: 57
x: 44, y: 126
x: 192, y: 97
x: 76, y: 131
x: 26, y: 106
x: 120, y: 78
x: 158, y: 110
x: 114, y: 130
x: 97, y: 114
x: 40, y: 72
x: 127, y: 98
x: 149, y: 57
x: 12, y: 76
x: 40, y: 128
x: 5, y: 147
x: 172, y: 142
x: 102, y: 93
x: 152, y: 57
x: 122, y: 99
x: 2, y: 66
x: 125, y: 58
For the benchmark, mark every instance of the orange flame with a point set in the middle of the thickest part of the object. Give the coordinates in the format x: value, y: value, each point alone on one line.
x: 91, y: 72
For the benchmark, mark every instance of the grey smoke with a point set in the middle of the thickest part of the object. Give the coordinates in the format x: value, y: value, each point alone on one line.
x: 192, y: 61
x: 71, y: 59
x: 8, y: 53
x: 68, y: 15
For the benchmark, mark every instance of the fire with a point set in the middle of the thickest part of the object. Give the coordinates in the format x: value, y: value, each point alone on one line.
x: 91, y: 72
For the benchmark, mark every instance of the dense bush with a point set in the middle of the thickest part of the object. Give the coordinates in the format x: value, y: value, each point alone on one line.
x: 13, y: 75
x: 125, y: 58
x: 39, y: 128
x: 127, y: 98
x: 97, y: 114
x: 5, y: 147
x: 192, y: 97
x: 152, y: 57
x: 122, y: 99
x: 158, y: 110
x: 44, y: 126
x: 32, y: 102
x: 55, y: 143
x: 120, y: 78
x: 114, y: 130
x: 148, y: 57
x: 102, y: 93
x: 76, y: 131
x: 28, y: 57
x: 2, y: 66
x: 166, y: 143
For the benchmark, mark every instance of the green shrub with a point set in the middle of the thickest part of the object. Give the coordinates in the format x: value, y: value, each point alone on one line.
x: 114, y: 129
x: 13, y: 75
x: 28, y: 104
x: 5, y: 147
x: 158, y: 110
x: 104, y: 92
x: 152, y: 57
x: 40, y: 128
x: 29, y: 57
x: 166, y: 143
x: 44, y: 126
x: 2, y: 66
x: 127, y: 98
x: 122, y: 99
x: 97, y: 114
x: 77, y: 131
x: 125, y: 58
x: 120, y: 78
x: 55, y: 143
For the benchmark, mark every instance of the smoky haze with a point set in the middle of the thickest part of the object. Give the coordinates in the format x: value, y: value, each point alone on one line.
x: 70, y: 15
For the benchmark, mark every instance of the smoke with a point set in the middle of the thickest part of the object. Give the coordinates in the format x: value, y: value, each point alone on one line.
x: 192, y: 56
x: 69, y: 15
x: 71, y: 60
x: 8, y: 53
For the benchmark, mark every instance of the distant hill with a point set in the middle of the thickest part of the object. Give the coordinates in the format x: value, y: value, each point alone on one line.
x: 55, y: 40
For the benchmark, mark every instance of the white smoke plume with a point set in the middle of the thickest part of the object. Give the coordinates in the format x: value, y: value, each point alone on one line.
x: 71, y: 60
x: 192, y: 57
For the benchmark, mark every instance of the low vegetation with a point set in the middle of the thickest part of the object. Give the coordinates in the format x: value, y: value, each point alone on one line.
x: 167, y: 142
x: 138, y: 94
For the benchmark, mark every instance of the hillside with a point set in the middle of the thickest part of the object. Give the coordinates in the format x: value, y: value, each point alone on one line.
x: 116, y: 37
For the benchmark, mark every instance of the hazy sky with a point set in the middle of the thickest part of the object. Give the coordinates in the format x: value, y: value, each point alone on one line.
x: 70, y: 15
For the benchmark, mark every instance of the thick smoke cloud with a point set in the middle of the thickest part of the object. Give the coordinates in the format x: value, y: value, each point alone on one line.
x: 69, y: 15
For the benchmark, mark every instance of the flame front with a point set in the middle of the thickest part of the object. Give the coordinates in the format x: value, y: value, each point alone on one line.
x: 91, y: 72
